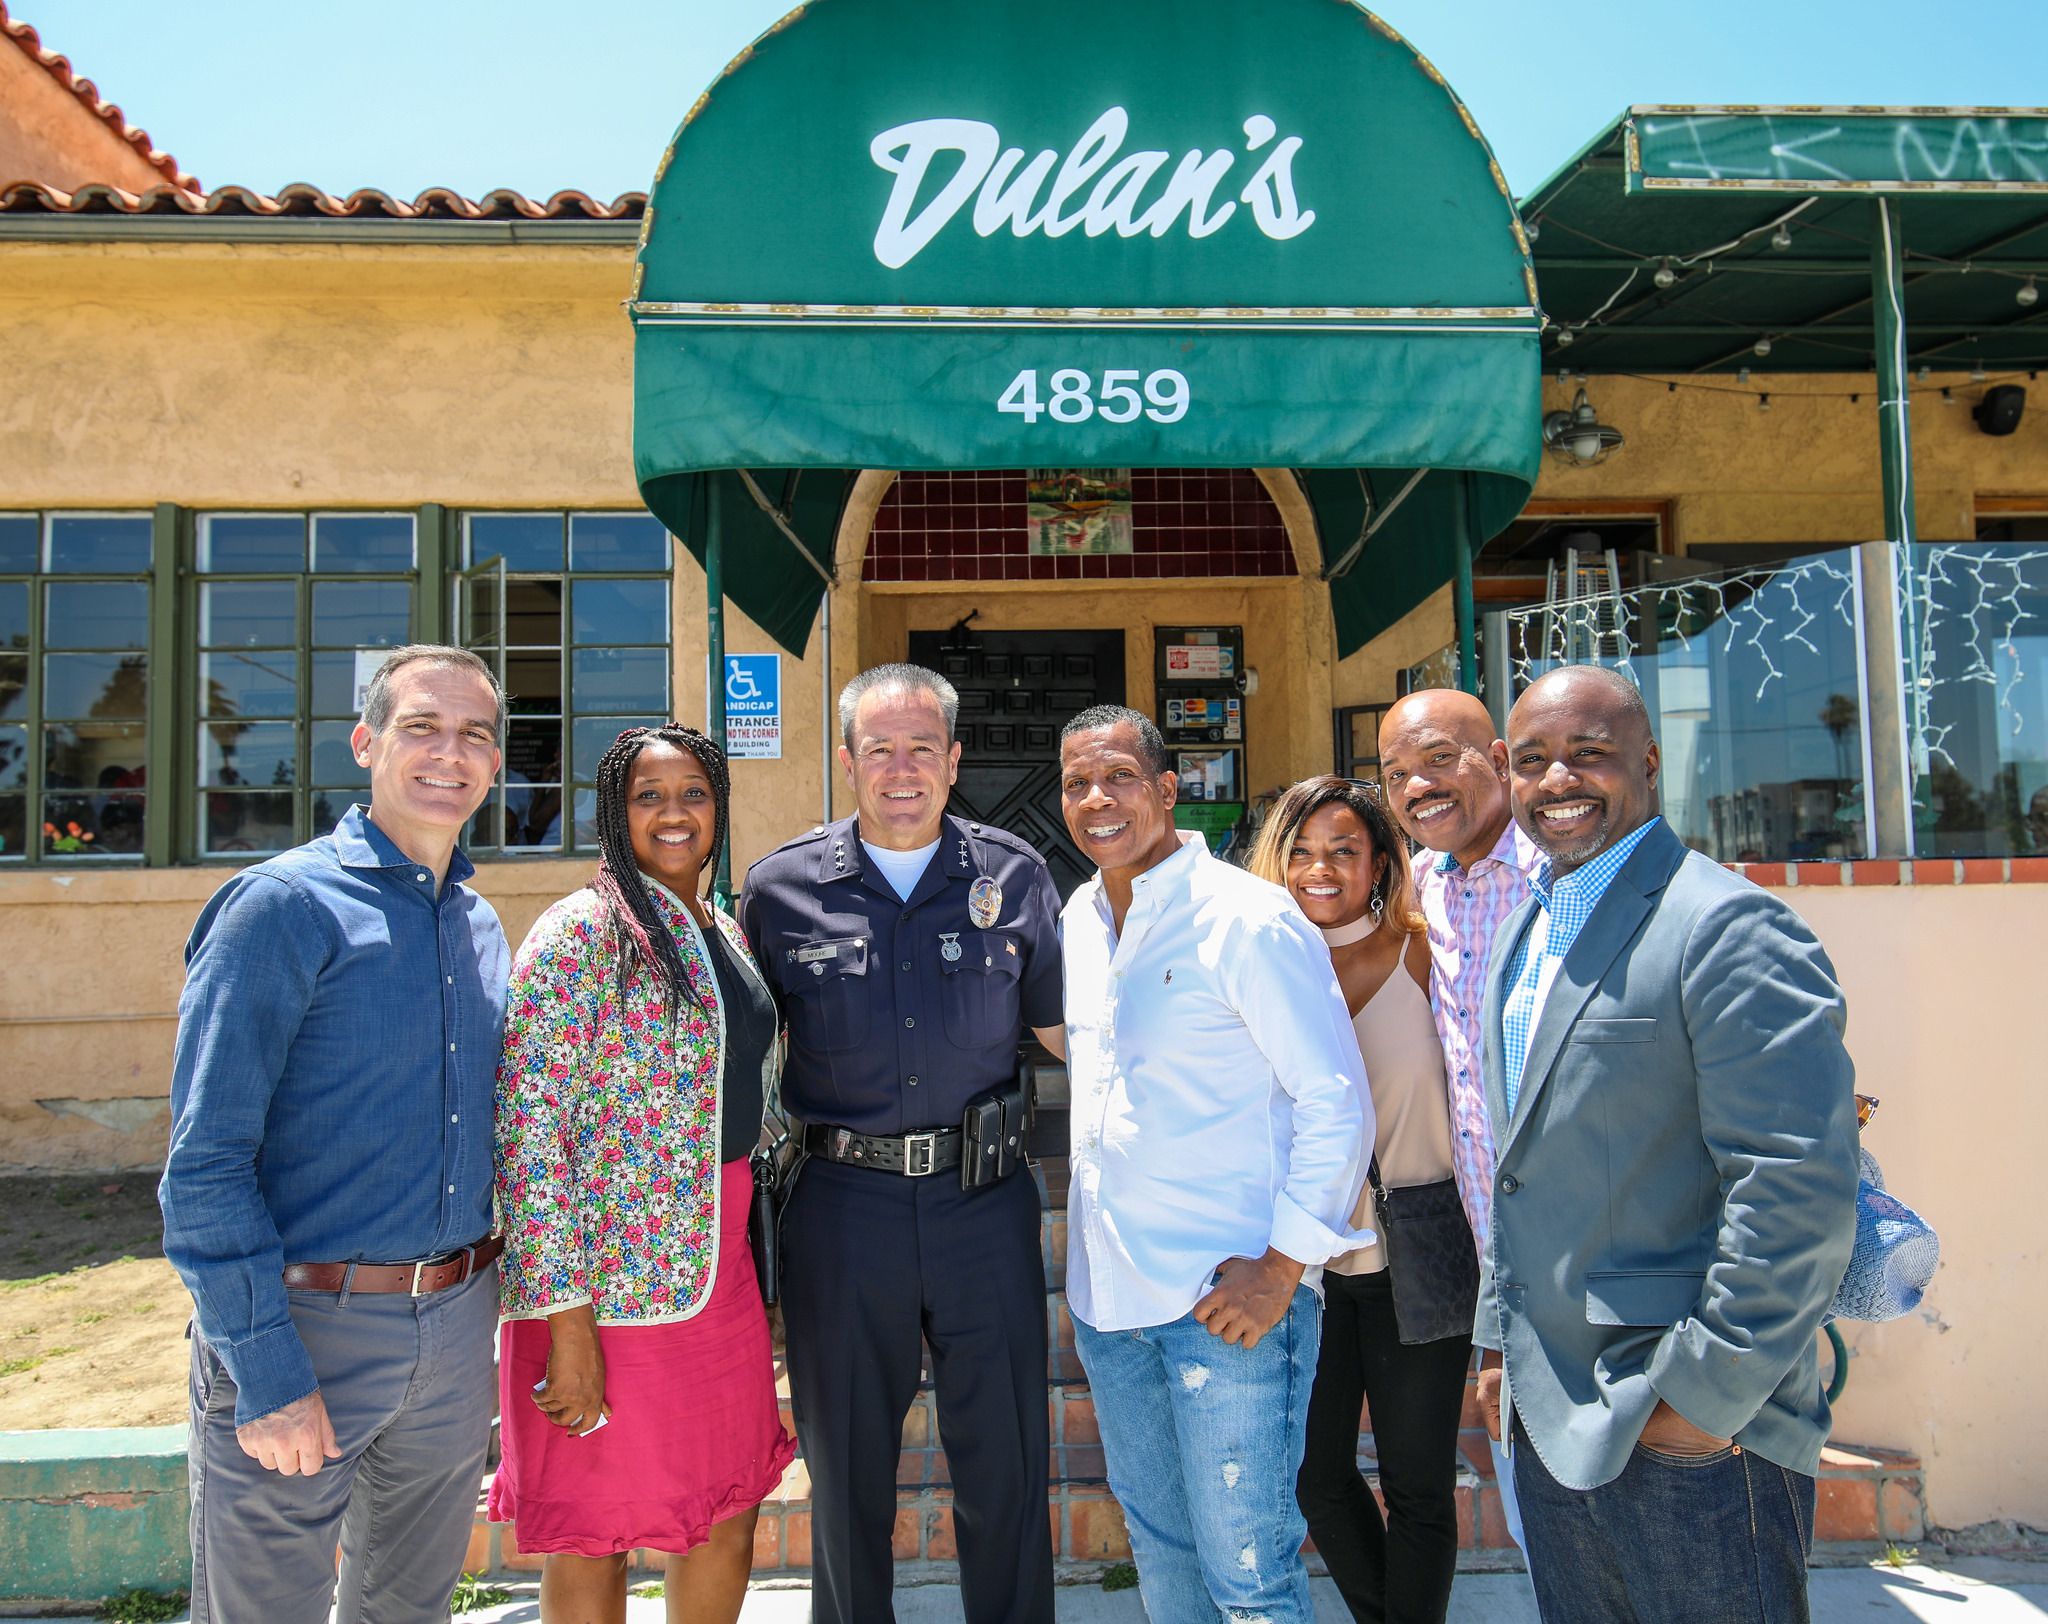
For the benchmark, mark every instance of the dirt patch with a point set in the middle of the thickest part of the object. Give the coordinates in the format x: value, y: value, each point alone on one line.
x: 49, y: 1223
x: 94, y: 1347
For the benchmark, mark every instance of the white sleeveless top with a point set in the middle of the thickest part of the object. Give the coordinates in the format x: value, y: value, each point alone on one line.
x: 1404, y: 1067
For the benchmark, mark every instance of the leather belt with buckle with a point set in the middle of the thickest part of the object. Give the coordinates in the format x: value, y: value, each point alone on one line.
x: 414, y: 1279
x: 914, y: 1155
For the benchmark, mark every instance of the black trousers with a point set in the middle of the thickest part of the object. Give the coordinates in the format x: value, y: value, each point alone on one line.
x: 877, y: 1267
x: 1396, y: 1571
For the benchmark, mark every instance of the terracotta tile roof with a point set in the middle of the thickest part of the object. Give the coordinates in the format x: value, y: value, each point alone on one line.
x: 88, y: 95
x: 436, y: 203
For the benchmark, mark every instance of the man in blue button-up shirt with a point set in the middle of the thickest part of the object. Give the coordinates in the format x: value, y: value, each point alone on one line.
x: 328, y: 1194
x: 1675, y: 1193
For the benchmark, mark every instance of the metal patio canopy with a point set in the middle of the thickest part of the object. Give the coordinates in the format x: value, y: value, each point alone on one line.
x: 1803, y: 239
x: 911, y: 234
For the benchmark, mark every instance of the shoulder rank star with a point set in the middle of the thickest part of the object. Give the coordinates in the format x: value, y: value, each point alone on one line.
x: 949, y: 945
x: 984, y: 902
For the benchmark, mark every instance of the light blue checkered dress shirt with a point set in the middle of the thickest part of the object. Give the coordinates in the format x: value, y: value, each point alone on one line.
x: 1563, y: 905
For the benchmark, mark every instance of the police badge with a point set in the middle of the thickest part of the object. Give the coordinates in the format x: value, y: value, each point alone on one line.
x: 984, y: 902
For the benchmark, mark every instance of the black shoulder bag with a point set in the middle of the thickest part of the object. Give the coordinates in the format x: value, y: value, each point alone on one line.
x: 774, y: 1167
x: 1431, y: 1259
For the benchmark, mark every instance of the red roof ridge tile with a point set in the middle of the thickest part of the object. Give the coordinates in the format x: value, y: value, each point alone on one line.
x: 303, y: 199
x: 59, y: 68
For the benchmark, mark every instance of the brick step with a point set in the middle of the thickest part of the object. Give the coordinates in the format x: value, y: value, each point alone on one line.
x: 1866, y: 1495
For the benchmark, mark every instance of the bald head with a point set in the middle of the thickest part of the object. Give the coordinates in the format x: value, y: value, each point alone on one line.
x: 1584, y: 762
x: 1444, y: 772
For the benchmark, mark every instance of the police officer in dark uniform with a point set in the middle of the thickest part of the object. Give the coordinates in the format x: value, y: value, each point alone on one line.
x: 908, y: 951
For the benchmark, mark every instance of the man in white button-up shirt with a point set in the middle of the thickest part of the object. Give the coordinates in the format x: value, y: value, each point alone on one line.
x: 1219, y: 1118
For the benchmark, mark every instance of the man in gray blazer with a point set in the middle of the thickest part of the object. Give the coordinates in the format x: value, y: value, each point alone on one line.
x: 1674, y: 1201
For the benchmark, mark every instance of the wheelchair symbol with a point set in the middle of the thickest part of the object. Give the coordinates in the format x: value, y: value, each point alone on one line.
x: 739, y: 683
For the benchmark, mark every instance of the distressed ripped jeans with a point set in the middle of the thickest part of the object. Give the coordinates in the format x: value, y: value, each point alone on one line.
x: 1203, y: 1442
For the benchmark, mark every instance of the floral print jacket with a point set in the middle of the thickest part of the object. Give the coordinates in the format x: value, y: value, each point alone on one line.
x: 608, y: 1124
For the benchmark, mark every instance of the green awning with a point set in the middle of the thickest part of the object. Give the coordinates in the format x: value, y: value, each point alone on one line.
x: 1758, y: 220
x: 1164, y: 233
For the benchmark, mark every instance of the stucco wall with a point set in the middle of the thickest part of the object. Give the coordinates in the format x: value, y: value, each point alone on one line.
x: 1949, y: 1030
x: 97, y: 961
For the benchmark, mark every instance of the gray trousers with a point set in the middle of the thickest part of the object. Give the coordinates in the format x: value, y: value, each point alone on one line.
x: 409, y: 1387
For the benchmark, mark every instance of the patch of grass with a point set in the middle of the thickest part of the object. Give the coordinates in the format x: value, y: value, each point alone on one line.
x: 30, y: 1330
x: 142, y: 1606
x: 143, y: 1308
x: 15, y: 1367
x: 1897, y: 1556
x: 653, y: 1592
x: 35, y: 1234
x: 33, y: 1280
x: 1120, y: 1576
x: 89, y: 1217
x: 89, y: 1248
x: 473, y: 1595
x: 89, y: 1319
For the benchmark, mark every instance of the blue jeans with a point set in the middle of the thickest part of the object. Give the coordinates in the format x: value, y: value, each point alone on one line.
x: 1708, y: 1539
x: 1203, y: 1442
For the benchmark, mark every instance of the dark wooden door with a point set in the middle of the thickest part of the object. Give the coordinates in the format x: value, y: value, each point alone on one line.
x: 1017, y: 689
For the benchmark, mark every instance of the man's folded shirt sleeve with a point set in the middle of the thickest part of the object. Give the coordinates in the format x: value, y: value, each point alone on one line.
x: 1288, y: 998
x: 252, y: 965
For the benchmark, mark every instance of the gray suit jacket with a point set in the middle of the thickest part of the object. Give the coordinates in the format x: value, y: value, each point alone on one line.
x: 1675, y: 1194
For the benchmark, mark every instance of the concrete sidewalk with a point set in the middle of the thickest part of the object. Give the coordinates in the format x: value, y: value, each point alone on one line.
x: 1992, y: 1591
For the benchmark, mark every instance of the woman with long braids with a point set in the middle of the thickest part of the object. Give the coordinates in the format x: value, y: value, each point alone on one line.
x: 636, y: 1385
x: 1332, y: 845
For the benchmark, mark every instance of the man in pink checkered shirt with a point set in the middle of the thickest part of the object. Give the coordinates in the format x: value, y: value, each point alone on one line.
x: 1445, y: 777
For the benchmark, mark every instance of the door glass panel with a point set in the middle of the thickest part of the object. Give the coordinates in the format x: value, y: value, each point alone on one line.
x: 617, y: 541
x: 334, y: 758
x: 597, y: 734
x: 252, y: 543
x: 13, y: 826
x: 334, y: 682
x: 249, y: 684
x: 19, y: 533
x: 87, y: 545
x: 13, y: 684
x: 620, y: 679
x: 238, y: 821
x: 533, y: 614
x: 361, y: 614
x: 533, y: 683
x: 96, y: 614
x: 256, y: 754
x: 13, y: 614
x: 13, y: 757
x: 526, y: 541
x: 621, y: 611
x: 95, y: 685
x: 105, y: 764
x: 247, y: 614
x: 362, y: 543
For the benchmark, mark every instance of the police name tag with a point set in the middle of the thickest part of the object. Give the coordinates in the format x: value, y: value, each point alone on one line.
x: 984, y: 902
x: 830, y: 950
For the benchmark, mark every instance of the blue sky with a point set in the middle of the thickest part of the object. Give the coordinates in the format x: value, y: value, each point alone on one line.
x: 406, y: 94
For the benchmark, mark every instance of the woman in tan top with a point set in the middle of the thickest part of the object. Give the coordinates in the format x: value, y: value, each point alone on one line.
x: 1329, y: 842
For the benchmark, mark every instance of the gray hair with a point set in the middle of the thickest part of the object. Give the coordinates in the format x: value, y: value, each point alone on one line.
x: 913, y: 679
x: 378, y: 699
x: 1151, y: 743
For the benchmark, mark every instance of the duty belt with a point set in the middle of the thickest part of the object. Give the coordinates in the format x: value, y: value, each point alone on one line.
x: 915, y: 1155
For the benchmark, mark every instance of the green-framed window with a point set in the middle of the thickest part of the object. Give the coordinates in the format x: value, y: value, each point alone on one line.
x: 289, y: 614
x: 574, y: 608
x: 74, y: 685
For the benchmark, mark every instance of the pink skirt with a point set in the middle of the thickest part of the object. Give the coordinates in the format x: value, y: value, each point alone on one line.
x: 694, y: 1436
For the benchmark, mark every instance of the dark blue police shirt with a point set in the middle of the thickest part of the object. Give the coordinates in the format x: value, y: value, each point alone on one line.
x: 888, y: 1035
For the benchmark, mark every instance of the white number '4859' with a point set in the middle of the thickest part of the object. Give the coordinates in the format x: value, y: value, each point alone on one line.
x: 1115, y: 402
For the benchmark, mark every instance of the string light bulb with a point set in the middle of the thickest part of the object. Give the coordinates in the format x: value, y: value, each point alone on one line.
x: 1762, y: 346
x: 1533, y: 228
x: 2028, y: 293
x: 1566, y: 338
x: 1977, y: 373
x: 1781, y: 239
x: 1742, y: 374
x: 1763, y: 403
x: 1948, y: 397
x: 1666, y: 275
x: 1923, y: 373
